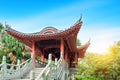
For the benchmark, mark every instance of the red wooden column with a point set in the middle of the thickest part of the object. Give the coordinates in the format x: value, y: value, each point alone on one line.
x: 62, y: 47
x: 33, y: 54
x: 76, y: 60
x: 66, y: 59
x: 42, y: 59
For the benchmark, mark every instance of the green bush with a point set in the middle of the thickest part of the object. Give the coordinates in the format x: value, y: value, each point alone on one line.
x: 78, y: 77
x: 27, y: 56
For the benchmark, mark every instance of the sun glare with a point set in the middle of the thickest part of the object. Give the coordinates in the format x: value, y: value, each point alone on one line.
x: 99, y: 47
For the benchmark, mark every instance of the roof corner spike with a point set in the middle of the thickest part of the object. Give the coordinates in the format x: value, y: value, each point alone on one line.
x: 78, y: 21
x: 7, y: 27
x: 80, y: 18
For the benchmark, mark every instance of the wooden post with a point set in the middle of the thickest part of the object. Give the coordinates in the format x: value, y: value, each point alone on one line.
x: 68, y: 62
x: 62, y: 48
x: 62, y: 51
x: 66, y: 59
x: 42, y: 59
x: 76, y: 60
x: 33, y: 54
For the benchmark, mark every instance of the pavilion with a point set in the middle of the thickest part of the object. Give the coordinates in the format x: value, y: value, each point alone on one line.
x: 54, y: 41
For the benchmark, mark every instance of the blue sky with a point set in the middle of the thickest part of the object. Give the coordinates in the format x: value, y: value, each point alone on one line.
x: 101, y: 18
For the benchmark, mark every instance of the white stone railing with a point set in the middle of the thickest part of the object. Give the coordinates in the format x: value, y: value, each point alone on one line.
x: 0, y: 70
x: 52, y: 71
x: 60, y: 67
x: 44, y: 75
x: 11, y: 71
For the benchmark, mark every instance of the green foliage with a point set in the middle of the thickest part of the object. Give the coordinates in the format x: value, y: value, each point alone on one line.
x: 1, y: 27
x: 78, y: 42
x: 115, y: 48
x: 103, y: 66
x: 78, y: 77
x: 27, y: 56
x: 10, y: 44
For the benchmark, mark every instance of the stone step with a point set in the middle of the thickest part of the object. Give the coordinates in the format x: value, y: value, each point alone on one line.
x: 21, y: 79
x: 35, y: 70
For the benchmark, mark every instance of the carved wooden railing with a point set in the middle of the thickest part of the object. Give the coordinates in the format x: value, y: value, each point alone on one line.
x: 11, y: 71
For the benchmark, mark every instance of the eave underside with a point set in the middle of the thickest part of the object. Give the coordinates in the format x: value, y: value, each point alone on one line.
x: 68, y: 35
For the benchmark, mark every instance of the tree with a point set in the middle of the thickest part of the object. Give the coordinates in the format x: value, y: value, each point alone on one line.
x: 102, y: 66
x: 115, y: 48
x: 1, y: 51
x: 78, y: 42
x: 1, y: 27
x: 10, y: 44
x: 114, y: 69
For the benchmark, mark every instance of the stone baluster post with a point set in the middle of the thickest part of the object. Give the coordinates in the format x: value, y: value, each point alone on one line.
x: 4, y: 68
x: 56, y: 66
x: 55, y: 61
x: 32, y: 75
x: 50, y: 58
x: 49, y: 62
x: 18, y: 67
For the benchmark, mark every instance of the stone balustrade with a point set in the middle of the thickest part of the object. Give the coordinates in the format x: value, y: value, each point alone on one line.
x: 11, y: 71
x: 51, y: 71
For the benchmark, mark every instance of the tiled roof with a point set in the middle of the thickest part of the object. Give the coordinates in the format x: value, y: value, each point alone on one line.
x: 45, y: 33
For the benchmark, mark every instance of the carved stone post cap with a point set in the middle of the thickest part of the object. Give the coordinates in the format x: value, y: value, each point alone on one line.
x: 4, y: 58
x: 55, y: 60
x: 49, y: 58
x: 18, y: 61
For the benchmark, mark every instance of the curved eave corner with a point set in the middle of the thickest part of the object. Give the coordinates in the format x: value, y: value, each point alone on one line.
x: 82, y: 49
x: 12, y: 32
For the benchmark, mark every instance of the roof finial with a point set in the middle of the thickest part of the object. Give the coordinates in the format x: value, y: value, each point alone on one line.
x: 6, y: 26
x: 80, y: 18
